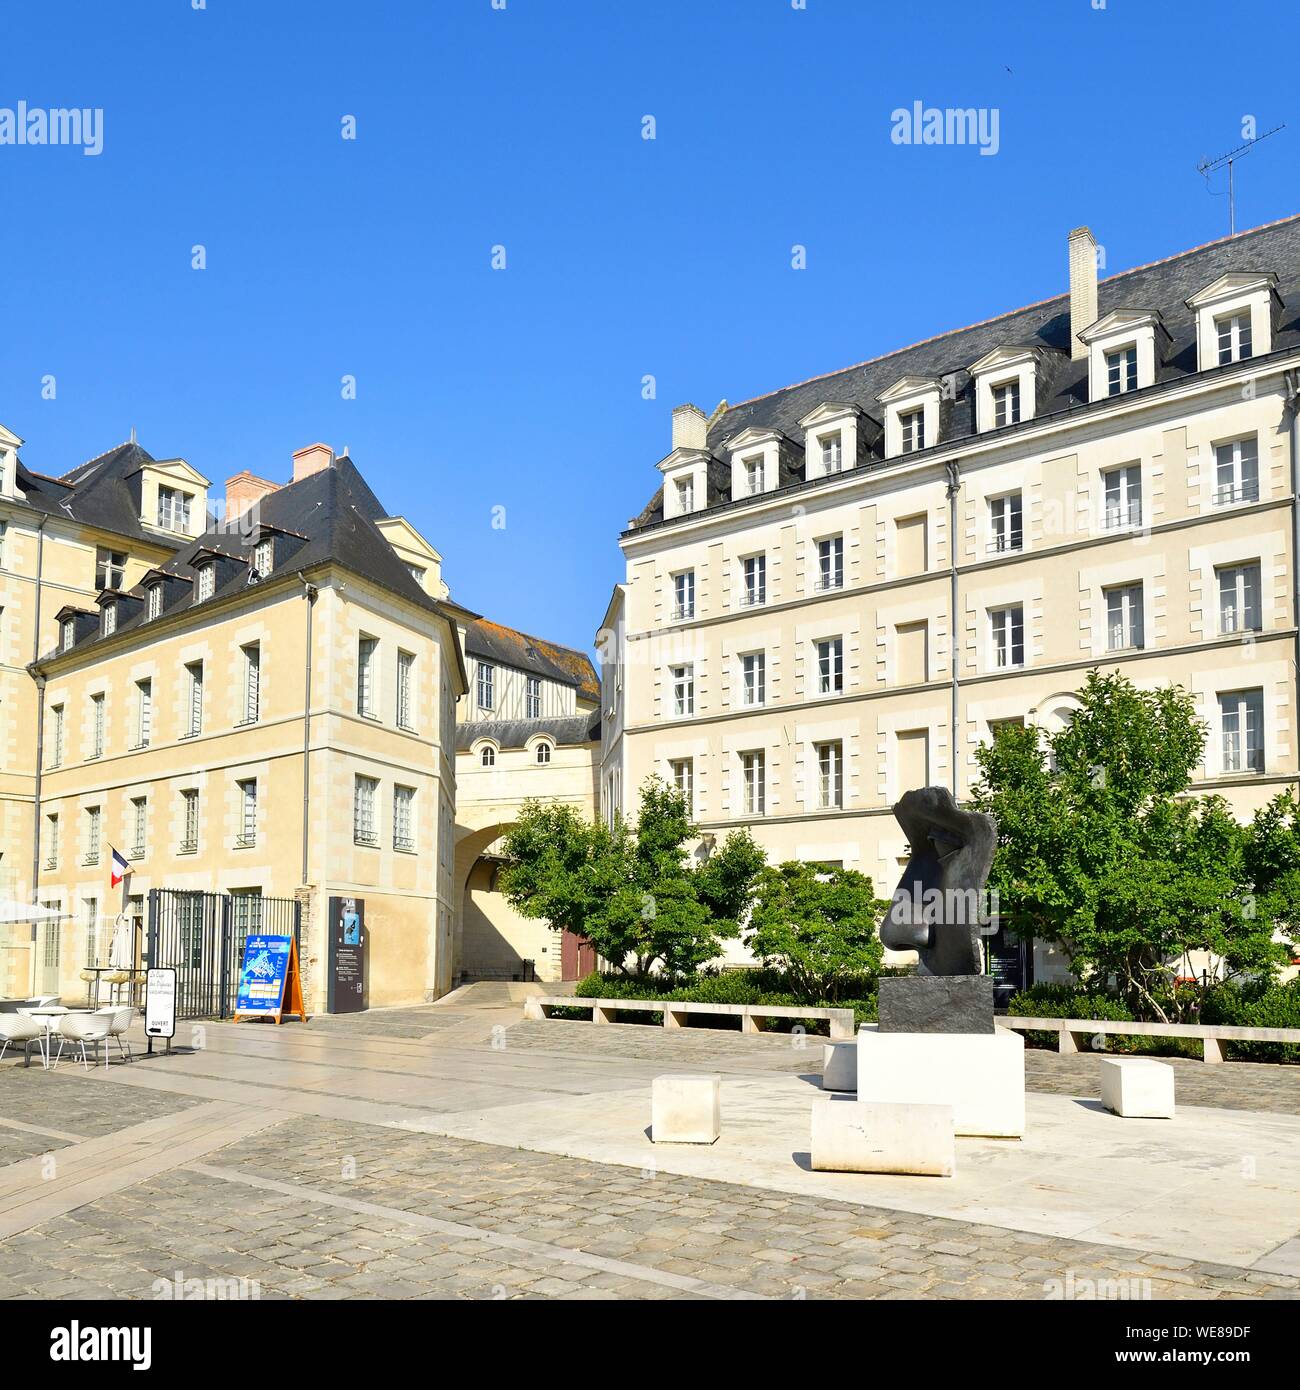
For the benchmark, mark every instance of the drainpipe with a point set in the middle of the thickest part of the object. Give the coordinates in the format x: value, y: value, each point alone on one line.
x: 40, y: 717
x: 954, y: 488
x: 309, y: 592
x: 1291, y: 395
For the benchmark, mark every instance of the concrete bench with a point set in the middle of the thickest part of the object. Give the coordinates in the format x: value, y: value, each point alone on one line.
x: 677, y: 1013
x: 1075, y: 1034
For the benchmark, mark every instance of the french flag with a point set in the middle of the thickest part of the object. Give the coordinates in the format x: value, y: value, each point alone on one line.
x: 119, y: 869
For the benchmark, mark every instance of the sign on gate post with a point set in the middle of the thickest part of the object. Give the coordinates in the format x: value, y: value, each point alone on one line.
x: 346, y: 984
x: 160, y: 1005
x: 269, y: 983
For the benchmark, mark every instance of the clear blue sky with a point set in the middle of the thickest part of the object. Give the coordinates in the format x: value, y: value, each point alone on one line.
x: 522, y: 388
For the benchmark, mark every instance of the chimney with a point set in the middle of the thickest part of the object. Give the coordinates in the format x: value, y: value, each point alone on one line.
x: 245, y: 490
x: 1083, y: 287
x: 311, y: 460
x: 690, y: 427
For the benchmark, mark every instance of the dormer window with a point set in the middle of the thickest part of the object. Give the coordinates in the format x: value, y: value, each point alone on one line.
x: 753, y: 475
x: 68, y: 634
x: 832, y: 453
x: 264, y: 556
x: 685, y: 495
x: 1006, y: 404
x: 155, y: 601
x: 1233, y: 334
x: 911, y: 426
x: 108, y: 620
x: 488, y: 757
x: 207, y: 582
x: 1236, y: 318
x: 1126, y: 349
x: 543, y: 754
x: 1121, y: 371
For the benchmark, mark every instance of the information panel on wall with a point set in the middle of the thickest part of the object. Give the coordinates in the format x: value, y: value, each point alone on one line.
x: 347, y: 955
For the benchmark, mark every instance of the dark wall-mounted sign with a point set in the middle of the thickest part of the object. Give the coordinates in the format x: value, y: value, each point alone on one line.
x: 347, y: 955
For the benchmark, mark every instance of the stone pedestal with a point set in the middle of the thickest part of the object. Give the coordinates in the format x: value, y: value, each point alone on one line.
x: 840, y: 1066
x: 936, y: 1004
x: 981, y: 1076
x: 849, y: 1136
x: 1138, y: 1087
x: 686, y: 1109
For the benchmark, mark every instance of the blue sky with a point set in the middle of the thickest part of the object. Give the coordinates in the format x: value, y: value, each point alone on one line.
x: 521, y: 388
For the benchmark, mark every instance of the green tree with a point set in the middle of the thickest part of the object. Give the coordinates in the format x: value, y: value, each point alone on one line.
x: 1102, y: 852
x: 1272, y: 856
x: 636, y: 893
x: 818, y: 925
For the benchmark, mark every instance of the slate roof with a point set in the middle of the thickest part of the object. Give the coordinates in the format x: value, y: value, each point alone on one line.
x: 535, y: 655
x: 334, y: 510
x: 97, y: 493
x: 515, y: 733
x: 1162, y: 285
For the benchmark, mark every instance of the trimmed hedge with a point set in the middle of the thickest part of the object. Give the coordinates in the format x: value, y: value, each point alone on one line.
x: 722, y: 987
x: 1068, y: 1000
x: 1257, y: 1006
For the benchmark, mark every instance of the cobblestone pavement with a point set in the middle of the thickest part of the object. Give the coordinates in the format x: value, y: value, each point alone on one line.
x: 1259, y: 1086
x: 83, y: 1103
x: 429, y: 1217
x: 334, y: 1208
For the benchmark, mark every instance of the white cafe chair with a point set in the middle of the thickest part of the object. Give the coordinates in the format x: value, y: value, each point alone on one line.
x: 119, y: 1020
x: 81, y: 1029
x: 20, y: 1030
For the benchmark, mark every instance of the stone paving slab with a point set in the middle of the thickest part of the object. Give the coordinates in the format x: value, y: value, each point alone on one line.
x: 387, y: 1023
x: 712, y: 1047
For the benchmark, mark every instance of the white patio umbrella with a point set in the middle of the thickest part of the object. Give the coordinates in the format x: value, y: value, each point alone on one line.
x: 121, y: 952
x: 14, y: 910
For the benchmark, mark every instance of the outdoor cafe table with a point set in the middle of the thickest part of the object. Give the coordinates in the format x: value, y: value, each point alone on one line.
x: 47, y: 1018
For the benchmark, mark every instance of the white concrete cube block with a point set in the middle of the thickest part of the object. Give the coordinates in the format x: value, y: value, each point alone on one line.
x: 852, y: 1136
x: 1138, y: 1087
x: 980, y: 1075
x: 840, y: 1066
x: 686, y: 1109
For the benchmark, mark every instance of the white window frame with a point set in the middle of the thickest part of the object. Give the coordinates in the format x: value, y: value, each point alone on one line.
x: 252, y: 654
x: 1006, y: 523
x: 367, y: 662
x: 365, y: 795
x: 1121, y: 367
x: 1237, y: 460
x: 829, y: 652
x: 194, y: 679
x: 247, y: 836
x: 830, y: 564
x: 1121, y: 491
x: 404, y: 704
x: 1006, y: 402
x: 1243, y: 586
x: 911, y: 430
x: 753, y: 571
x: 1233, y: 338
x: 189, y: 820
x: 403, y: 818
x: 143, y: 712
x: 682, y: 771
x: 1007, y: 637
x: 830, y: 775
x: 485, y: 685
x: 1241, y: 721
x: 753, y: 772
x: 753, y: 679
x: 832, y: 451
x: 683, y: 595
x: 683, y: 690
x: 1125, y: 617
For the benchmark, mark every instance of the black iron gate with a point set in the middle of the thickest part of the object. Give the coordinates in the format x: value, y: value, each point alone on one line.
x: 201, y: 935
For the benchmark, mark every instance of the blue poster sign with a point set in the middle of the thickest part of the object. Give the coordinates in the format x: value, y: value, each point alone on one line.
x: 262, y: 975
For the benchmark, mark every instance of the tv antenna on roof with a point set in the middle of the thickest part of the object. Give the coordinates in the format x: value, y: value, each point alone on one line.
x: 1206, y: 167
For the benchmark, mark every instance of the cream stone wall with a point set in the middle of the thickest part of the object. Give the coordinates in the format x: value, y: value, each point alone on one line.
x: 66, y: 551
x: 890, y: 695
x: 409, y: 904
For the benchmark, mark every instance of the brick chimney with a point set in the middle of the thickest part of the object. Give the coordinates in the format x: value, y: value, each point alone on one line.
x: 1083, y: 287
x: 690, y: 427
x: 243, y: 490
x: 311, y: 460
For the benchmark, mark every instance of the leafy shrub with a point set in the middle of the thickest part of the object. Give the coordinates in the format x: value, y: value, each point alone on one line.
x: 720, y: 987
x: 1256, y: 1006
